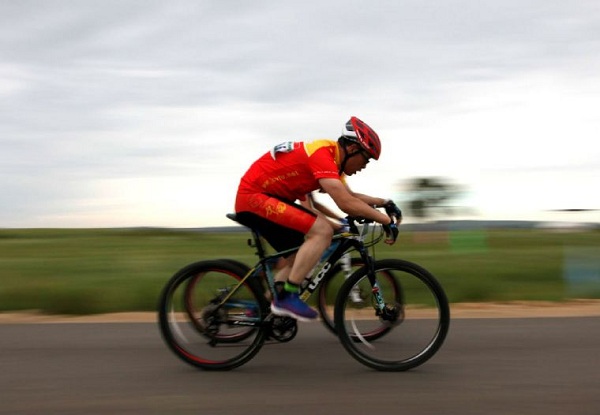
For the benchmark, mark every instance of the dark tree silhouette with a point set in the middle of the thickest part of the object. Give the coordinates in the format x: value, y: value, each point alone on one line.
x: 430, y: 194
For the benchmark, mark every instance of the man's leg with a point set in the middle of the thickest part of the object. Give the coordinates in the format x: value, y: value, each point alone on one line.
x: 288, y: 303
x: 282, y: 272
x: 316, y: 242
x: 286, y: 225
x: 283, y: 268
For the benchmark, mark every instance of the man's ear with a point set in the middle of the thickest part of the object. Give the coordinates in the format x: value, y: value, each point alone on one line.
x: 353, y: 148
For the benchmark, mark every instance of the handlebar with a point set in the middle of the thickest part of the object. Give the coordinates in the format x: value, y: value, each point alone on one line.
x: 390, y: 230
x: 353, y: 225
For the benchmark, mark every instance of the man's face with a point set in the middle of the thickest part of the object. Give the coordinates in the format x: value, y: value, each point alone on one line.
x: 357, y: 162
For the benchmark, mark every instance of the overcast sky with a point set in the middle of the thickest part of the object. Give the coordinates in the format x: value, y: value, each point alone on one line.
x: 143, y: 113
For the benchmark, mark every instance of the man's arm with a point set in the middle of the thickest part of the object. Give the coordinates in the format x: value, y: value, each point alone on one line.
x: 369, y: 200
x: 310, y: 203
x: 354, y: 204
x: 322, y: 208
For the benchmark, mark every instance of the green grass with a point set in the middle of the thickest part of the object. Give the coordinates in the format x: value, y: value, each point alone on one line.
x: 86, y: 271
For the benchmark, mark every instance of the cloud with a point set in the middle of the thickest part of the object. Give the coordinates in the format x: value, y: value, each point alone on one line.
x: 126, y: 92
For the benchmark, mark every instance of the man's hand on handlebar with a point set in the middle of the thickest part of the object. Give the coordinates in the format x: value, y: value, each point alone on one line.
x: 391, y: 233
x: 393, y: 211
x: 395, y: 214
x: 391, y: 229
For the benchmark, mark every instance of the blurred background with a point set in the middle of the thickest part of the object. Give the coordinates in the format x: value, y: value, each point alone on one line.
x: 128, y: 114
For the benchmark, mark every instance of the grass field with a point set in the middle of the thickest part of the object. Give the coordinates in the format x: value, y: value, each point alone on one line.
x: 87, y: 271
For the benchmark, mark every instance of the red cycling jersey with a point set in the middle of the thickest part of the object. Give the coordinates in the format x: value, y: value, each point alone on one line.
x: 287, y: 173
x: 291, y: 170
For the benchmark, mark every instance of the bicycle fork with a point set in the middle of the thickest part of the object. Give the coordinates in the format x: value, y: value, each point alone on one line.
x: 385, y: 312
x: 375, y: 288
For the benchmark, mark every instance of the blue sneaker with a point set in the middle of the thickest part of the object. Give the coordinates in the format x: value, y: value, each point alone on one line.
x: 292, y: 306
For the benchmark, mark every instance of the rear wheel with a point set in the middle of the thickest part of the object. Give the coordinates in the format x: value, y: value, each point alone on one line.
x: 208, y: 319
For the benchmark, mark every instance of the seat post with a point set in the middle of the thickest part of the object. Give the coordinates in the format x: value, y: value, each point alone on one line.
x: 260, y: 249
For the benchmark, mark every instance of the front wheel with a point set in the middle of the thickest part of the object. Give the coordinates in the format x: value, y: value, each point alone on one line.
x: 210, y: 318
x: 418, y: 321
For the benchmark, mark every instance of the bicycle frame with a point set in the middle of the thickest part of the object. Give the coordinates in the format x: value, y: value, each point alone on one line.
x: 345, y: 242
x: 200, y: 325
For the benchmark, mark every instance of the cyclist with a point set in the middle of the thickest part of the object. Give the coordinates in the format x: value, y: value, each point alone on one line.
x: 268, y: 191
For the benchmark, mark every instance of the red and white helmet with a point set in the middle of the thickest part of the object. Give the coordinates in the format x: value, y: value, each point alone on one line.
x: 359, y: 132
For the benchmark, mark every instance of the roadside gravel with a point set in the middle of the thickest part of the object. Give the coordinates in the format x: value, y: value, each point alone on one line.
x: 574, y: 308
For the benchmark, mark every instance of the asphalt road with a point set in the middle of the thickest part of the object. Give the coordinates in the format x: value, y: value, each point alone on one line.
x: 487, y: 366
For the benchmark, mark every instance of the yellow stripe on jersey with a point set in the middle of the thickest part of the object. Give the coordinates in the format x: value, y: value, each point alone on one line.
x: 311, y: 146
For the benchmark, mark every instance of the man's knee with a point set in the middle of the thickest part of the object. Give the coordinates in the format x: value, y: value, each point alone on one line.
x: 321, y: 228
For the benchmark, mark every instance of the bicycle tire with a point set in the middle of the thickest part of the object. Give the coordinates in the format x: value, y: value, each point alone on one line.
x: 198, y: 339
x: 328, y: 293
x: 419, y: 324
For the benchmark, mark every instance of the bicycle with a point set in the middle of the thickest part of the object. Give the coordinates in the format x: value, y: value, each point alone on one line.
x: 215, y: 314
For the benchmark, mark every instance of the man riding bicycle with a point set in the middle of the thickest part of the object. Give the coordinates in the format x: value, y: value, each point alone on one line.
x: 268, y: 191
